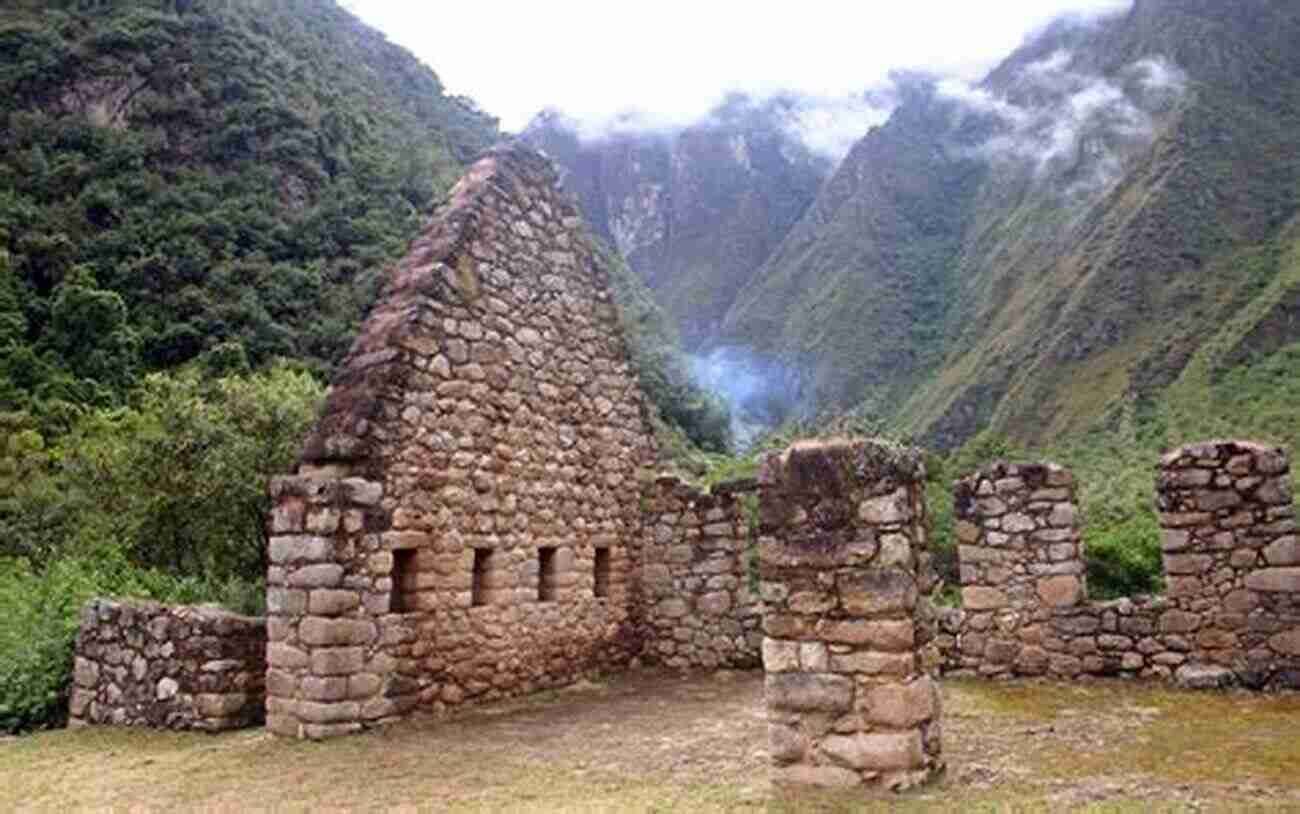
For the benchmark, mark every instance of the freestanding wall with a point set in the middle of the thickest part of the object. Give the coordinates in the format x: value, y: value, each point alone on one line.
x: 465, y: 522
x: 698, y: 579
x: 144, y: 664
x: 1231, y: 610
x: 849, y: 689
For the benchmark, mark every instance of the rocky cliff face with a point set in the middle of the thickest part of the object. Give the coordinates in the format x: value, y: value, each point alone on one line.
x: 697, y: 211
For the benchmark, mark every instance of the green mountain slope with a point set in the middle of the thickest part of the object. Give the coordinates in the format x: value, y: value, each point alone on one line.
x: 232, y: 176
x: 1036, y: 253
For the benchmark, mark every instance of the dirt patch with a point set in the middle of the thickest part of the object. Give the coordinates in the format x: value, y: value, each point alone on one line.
x: 654, y: 742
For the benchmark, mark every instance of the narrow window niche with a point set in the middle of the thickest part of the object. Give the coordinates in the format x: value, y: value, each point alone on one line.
x: 546, y: 581
x: 600, y: 586
x: 482, y: 567
x: 402, y: 597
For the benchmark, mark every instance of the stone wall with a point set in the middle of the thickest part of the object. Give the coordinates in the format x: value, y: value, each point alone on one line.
x: 844, y: 563
x: 1231, y: 611
x: 145, y: 664
x: 465, y: 524
x: 699, y: 576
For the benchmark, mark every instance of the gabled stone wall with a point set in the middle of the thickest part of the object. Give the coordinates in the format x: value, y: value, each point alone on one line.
x: 698, y: 580
x: 465, y: 524
x: 145, y: 664
x: 1231, y: 611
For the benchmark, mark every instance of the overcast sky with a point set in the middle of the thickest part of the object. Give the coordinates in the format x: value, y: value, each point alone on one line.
x: 674, y: 59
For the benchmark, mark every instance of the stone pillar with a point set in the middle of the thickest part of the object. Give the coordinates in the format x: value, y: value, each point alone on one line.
x: 849, y: 689
x: 1021, y: 560
x: 328, y: 590
x: 1231, y: 561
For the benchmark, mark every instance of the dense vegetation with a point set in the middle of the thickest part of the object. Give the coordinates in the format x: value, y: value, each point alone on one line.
x: 197, y: 200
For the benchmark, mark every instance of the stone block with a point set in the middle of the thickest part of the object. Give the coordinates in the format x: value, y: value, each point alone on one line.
x: 1176, y: 539
x: 85, y: 673
x: 327, y: 713
x: 814, y: 657
x: 317, y: 688
x: 891, y: 751
x: 786, y: 744
x: 317, y: 576
x: 828, y: 777
x: 1176, y: 621
x: 1060, y: 591
x: 286, y: 657
x: 902, y: 706
x: 977, y: 598
x: 285, y: 602
x: 780, y: 656
x: 300, y: 549
x: 887, y: 510
x: 326, y: 632
x: 809, y: 692
x: 337, y: 661
x: 1275, y: 580
x: 212, y: 705
x: 868, y: 662
x: 872, y: 592
x: 1188, y: 564
x: 1284, y: 551
x: 1286, y: 643
x: 887, y: 634
x: 1204, y: 677
x: 330, y: 602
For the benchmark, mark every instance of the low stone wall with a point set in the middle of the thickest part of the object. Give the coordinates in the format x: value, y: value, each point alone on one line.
x: 145, y: 664
x: 698, y: 577
x: 1231, y: 614
x: 849, y: 689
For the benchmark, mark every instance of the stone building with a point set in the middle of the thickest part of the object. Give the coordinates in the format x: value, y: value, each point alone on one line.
x: 466, y: 516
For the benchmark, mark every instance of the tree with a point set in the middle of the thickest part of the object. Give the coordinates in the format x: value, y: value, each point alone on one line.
x: 179, y: 479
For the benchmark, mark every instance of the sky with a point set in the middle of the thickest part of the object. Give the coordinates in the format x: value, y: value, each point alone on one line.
x: 672, y: 60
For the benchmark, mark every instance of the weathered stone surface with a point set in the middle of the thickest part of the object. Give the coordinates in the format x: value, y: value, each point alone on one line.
x: 902, y: 706
x: 809, y: 692
x: 178, y: 667
x: 977, y: 598
x: 780, y: 656
x: 1285, y: 551
x: 1204, y: 677
x: 877, y: 751
x: 802, y: 774
x: 1286, y: 643
x: 1275, y: 580
x: 1060, y: 592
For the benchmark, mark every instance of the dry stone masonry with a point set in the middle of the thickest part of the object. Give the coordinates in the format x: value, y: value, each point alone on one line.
x: 850, y: 687
x: 145, y: 664
x: 699, y: 576
x: 1231, y: 611
x: 466, y: 520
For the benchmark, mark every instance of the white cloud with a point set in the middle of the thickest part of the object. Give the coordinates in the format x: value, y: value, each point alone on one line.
x: 674, y: 60
x: 1080, y: 123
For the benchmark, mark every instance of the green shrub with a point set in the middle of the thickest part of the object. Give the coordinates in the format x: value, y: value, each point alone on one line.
x: 1123, y: 557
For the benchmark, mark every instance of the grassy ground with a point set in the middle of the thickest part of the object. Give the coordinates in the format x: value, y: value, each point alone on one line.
x: 649, y: 742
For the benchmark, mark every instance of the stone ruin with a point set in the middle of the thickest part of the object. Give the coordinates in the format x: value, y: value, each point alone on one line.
x: 465, y: 521
x: 145, y: 664
x: 470, y: 521
x: 1231, y: 610
x: 850, y: 685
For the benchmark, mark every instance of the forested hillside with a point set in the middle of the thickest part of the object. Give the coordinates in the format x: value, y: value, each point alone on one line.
x: 197, y: 203
x: 234, y: 175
